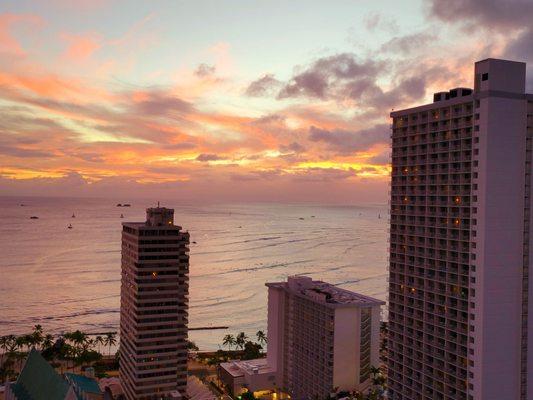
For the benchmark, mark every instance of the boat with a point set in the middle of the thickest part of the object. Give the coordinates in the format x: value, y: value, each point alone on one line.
x: 119, y: 205
x: 34, y: 217
x: 193, y: 242
x: 23, y: 205
x: 126, y: 205
x: 73, y: 216
x: 121, y: 215
x: 69, y: 226
x: 379, y: 216
x: 302, y: 218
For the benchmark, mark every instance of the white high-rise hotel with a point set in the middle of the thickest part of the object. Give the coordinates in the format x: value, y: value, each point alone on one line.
x: 154, y: 306
x: 460, y: 297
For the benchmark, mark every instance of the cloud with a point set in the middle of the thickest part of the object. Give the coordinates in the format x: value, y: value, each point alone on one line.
x: 408, y: 44
x: 81, y: 47
x: 347, y: 142
x: 264, y: 86
x: 205, y: 70
x: 8, y: 42
x: 160, y: 103
x: 209, y: 157
x: 376, y: 21
x: 293, y: 147
x: 328, y: 75
x: 479, y: 15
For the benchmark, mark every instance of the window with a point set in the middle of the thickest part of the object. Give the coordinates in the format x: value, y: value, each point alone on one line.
x: 485, y: 76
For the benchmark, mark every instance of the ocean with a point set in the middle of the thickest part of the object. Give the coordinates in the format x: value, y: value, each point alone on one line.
x: 68, y: 279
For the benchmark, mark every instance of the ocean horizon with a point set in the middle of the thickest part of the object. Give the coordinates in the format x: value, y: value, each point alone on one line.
x: 67, y: 279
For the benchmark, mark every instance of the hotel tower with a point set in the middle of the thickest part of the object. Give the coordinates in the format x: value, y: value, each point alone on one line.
x: 153, y: 307
x: 459, y: 288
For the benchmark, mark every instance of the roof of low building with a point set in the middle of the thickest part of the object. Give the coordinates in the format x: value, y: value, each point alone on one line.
x: 83, y: 383
x: 39, y: 381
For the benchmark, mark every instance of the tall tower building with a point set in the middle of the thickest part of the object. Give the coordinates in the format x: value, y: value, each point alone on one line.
x: 154, y: 307
x: 459, y: 292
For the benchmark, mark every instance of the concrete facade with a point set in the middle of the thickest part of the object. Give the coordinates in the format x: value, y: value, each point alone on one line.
x: 321, y: 337
x: 459, y: 291
x: 154, y: 307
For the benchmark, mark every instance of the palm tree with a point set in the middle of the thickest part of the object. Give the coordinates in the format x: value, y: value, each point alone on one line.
x: 21, y: 342
x: 261, y: 337
x: 4, y: 344
x: 99, y: 340
x: 11, y: 343
x: 374, y: 371
x: 241, y: 340
x: 48, y: 341
x: 229, y: 340
x: 110, y: 340
x: 37, y: 335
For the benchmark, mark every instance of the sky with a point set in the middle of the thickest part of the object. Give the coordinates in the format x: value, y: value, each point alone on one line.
x: 229, y: 100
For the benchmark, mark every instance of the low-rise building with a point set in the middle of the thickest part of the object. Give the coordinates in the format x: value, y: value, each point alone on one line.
x: 39, y: 381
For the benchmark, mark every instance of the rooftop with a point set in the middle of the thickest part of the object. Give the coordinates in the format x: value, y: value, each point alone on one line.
x: 39, y: 381
x: 249, y: 367
x: 83, y: 383
x: 323, y: 292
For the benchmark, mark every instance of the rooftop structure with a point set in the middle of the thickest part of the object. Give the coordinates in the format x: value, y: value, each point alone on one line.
x: 459, y: 291
x: 323, y: 292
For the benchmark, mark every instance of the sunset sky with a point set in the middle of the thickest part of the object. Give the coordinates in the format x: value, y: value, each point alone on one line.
x: 229, y: 100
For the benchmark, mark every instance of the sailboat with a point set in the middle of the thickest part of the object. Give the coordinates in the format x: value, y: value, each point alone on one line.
x: 69, y: 226
x: 73, y: 215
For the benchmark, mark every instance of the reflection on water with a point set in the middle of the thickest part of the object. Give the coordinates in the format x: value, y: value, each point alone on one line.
x: 68, y: 279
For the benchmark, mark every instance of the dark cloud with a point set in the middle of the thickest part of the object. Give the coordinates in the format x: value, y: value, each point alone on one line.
x: 264, y: 86
x: 204, y: 157
x: 162, y: 103
x: 294, y: 147
x: 204, y: 70
x: 500, y: 16
x: 269, y: 119
x: 327, y: 76
x: 13, y: 151
x: 324, y: 175
x: 257, y: 175
x: 487, y: 14
x: 347, y: 142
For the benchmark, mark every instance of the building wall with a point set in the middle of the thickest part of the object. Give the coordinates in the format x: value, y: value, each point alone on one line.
x: 499, y: 233
x: 430, y: 250
x: 529, y: 240
x: 275, y: 332
x: 346, y: 348
x: 154, y: 308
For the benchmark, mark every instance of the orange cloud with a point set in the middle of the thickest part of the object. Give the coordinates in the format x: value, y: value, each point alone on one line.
x: 81, y: 47
x: 8, y: 43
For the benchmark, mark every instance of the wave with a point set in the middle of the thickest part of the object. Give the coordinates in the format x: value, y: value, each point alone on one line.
x: 258, y: 268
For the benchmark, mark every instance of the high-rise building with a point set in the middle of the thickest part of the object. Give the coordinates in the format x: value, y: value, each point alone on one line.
x: 459, y: 291
x: 154, y: 307
x: 321, y: 337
